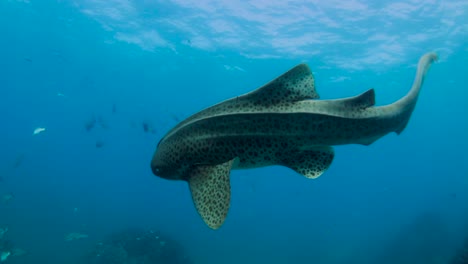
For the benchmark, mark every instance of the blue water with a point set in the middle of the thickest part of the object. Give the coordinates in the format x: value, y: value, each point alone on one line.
x: 119, y: 65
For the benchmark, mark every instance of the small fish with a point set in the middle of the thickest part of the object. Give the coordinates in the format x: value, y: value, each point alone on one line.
x: 90, y: 124
x: 6, y: 198
x: 3, y: 231
x: 18, y: 161
x: 99, y: 144
x: 145, y: 127
x: 39, y: 130
x: 75, y: 236
x: 102, y: 123
x: 148, y: 128
x: 16, y: 252
x: 4, y: 255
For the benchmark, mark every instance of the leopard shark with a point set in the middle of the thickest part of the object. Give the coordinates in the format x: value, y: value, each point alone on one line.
x: 281, y: 123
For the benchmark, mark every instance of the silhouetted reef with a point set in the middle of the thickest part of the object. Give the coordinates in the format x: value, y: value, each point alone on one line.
x: 137, y: 246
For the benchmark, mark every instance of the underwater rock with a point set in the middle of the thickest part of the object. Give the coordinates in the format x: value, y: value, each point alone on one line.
x: 137, y: 246
x: 418, y: 242
x: 462, y: 255
x: 107, y: 254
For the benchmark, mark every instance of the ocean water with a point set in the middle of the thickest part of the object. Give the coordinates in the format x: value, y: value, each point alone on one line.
x: 107, y: 79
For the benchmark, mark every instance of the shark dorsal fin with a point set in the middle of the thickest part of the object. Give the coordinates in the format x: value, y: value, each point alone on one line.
x: 362, y: 101
x: 294, y: 85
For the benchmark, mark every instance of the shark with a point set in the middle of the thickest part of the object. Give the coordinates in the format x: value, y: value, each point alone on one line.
x: 281, y: 123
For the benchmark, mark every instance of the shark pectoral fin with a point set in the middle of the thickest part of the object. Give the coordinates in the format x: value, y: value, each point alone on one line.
x: 311, y: 162
x: 211, y: 192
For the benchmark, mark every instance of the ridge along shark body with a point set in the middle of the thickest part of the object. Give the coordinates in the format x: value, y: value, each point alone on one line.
x: 281, y: 123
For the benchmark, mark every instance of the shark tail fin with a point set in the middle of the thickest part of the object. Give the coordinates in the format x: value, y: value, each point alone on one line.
x: 405, y: 120
x: 403, y: 125
x: 408, y: 102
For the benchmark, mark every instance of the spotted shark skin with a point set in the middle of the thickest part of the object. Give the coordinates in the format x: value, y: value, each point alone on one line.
x: 281, y: 123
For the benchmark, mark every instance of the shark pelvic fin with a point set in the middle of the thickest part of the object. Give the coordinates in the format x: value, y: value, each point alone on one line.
x: 311, y: 162
x: 211, y: 192
x: 294, y: 85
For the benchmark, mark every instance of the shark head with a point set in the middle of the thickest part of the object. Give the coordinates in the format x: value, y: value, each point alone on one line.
x: 167, y: 163
x: 164, y: 169
x: 162, y: 166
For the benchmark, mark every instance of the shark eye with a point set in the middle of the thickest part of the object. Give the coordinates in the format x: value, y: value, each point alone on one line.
x: 157, y: 170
